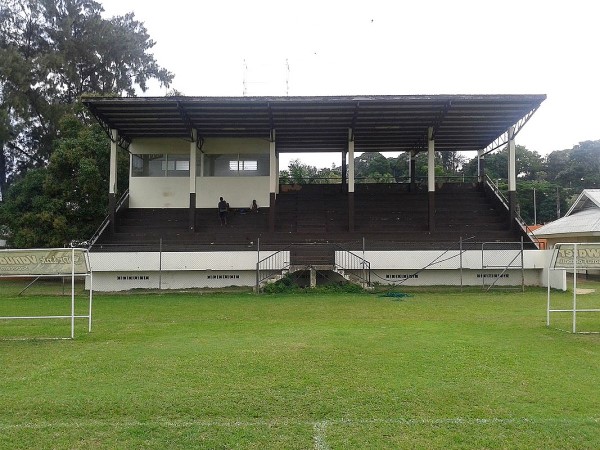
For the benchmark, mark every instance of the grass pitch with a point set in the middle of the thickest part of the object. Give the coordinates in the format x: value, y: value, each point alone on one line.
x: 439, y: 369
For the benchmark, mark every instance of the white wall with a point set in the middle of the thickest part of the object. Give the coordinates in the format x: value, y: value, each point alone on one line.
x: 122, y: 271
x: 238, y: 191
x: 159, y: 192
x: 150, y: 261
x: 173, y: 192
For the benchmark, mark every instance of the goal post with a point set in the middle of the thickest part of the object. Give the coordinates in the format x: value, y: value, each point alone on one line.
x: 52, y: 262
x: 575, y: 257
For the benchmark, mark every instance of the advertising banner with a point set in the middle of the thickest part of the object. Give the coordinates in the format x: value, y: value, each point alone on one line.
x: 583, y: 255
x: 42, y: 262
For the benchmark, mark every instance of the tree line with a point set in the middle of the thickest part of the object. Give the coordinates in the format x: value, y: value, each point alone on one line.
x: 54, y: 158
x: 546, y: 185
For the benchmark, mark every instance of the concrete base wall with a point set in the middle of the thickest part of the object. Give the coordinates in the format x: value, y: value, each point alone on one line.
x: 172, y: 270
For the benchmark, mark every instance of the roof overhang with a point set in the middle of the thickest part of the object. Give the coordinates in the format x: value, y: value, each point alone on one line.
x: 322, y: 124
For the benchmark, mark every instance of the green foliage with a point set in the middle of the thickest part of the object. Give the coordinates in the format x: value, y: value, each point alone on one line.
x: 288, y: 285
x: 51, y: 53
x: 49, y: 207
x: 578, y: 168
x: 550, y: 201
x: 299, y: 173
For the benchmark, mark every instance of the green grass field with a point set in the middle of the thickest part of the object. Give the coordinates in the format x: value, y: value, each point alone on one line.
x: 439, y: 369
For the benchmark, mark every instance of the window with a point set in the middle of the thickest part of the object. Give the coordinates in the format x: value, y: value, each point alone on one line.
x: 160, y: 165
x: 233, y: 165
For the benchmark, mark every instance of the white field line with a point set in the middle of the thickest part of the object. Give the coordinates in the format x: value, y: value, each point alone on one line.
x: 319, y: 427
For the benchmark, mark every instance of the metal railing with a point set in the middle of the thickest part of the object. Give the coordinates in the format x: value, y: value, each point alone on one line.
x: 350, y: 265
x: 502, y: 199
x: 272, y: 266
x: 106, y: 221
x: 355, y: 265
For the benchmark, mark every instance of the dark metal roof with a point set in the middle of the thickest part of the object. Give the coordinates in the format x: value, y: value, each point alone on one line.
x: 321, y: 124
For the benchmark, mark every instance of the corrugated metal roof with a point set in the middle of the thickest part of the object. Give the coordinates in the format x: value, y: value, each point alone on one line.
x: 320, y: 124
x: 589, y: 198
x: 582, y: 218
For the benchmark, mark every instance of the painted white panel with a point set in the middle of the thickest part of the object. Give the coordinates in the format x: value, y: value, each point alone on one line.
x: 173, y: 261
x: 173, y: 192
x: 159, y: 192
x: 212, y: 260
x: 441, y: 259
x: 238, y: 191
x: 452, y: 277
x: 122, y: 261
x: 123, y: 281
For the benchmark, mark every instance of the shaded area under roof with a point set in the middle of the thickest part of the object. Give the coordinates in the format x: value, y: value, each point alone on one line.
x: 321, y: 124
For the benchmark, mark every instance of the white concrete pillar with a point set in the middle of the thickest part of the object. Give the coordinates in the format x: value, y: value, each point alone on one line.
x: 350, y: 161
x: 430, y: 161
x: 193, y: 154
x: 112, y: 179
x: 277, y: 170
x: 112, y: 183
x: 272, y: 166
x: 192, y: 209
x: 350, y: 180
x: 512, y: 160
x: 272, y: 181
x: 431, y: 179
x: 512, y: 178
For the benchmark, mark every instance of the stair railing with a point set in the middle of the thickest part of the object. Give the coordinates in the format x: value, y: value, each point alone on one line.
x: 525, y: 229
x: 358, y: 266
x: 106, y: 221
x: 272, y: 266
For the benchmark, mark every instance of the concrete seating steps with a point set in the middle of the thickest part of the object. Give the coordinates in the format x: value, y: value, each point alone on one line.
x: 386, y: 213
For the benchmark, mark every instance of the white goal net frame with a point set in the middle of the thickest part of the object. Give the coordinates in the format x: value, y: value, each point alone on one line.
x: 49, y: 263
x: 573, y: 256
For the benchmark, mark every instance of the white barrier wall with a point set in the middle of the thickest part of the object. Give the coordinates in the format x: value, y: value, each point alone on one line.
x: 172, y: 270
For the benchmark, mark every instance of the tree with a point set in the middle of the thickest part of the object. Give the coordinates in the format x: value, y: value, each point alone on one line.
x: 546, y: 197
x: 372, y: 166
x: 582, y: 167
x: 65, y: 201
x: 51, y: 53
x: 529, y: 164
x: 452, y: 162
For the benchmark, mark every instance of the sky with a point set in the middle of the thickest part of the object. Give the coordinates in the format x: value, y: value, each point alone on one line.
x: 417, y: 47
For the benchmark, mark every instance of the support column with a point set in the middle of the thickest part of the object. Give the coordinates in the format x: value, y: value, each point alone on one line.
x: 201, y: 164
x: 112, y: 182
x: 412, y: 171
x: 193, y: 153
x: 272, y: 181
x: 277, y: 170
x: 350, y: 180
x: 344, y: 171
x: 480, y: 169
x: 512, y: 178
x: 431, y: 179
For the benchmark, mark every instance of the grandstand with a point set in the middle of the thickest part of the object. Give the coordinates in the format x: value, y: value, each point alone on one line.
x: 186, y: 152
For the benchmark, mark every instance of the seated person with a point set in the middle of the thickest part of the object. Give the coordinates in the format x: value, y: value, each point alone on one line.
x: 254, y: 206
x: 223, y: 207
